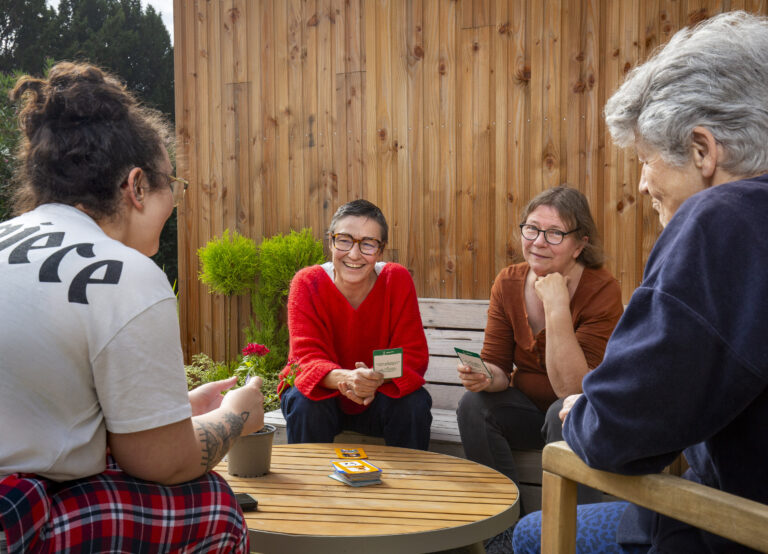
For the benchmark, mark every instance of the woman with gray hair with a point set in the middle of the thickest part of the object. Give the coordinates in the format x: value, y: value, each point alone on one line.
x: 686, y: 369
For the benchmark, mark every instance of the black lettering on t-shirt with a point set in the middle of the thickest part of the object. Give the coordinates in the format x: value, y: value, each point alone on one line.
x: 83, y: 279
x: 17, y: 237
x: 7, y: 229
x: 49, y: 270
x: 19, y: 255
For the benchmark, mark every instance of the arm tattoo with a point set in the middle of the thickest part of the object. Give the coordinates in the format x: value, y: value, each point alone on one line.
x: 217, y: 437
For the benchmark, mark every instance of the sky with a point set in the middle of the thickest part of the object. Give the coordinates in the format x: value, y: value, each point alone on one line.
x: 163, y: 7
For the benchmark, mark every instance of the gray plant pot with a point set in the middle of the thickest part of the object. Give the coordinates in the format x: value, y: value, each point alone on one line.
x: 251, y: 455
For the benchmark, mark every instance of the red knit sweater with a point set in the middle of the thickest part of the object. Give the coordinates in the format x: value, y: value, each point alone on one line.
x: 326, y: 333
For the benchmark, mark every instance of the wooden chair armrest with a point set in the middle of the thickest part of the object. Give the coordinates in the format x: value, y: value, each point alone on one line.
x: 736, y: 518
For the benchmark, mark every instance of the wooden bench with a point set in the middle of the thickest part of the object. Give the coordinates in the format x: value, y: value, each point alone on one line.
x: 448, y: 323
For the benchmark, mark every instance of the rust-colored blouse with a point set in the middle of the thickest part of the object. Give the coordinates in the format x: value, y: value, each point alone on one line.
x: 595, y: 307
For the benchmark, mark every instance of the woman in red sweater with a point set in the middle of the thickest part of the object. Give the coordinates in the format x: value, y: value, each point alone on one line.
x: 338, y: 314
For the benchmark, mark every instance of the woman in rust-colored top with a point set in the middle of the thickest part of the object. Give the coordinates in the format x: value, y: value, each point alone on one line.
x: 549, y: 320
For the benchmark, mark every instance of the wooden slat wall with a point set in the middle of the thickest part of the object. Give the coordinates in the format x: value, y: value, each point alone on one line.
x: 449, y: 114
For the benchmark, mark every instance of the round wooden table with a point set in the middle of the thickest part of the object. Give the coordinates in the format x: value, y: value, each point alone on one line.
x: 427, y: 502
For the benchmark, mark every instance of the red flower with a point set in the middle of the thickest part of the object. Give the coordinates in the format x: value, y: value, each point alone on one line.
x: 253, y: 349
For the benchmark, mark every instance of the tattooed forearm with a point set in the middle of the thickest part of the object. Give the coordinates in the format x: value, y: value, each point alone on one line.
x: 217, y: 437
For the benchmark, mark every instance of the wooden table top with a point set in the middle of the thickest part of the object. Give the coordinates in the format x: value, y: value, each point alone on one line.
x: 427, y: 502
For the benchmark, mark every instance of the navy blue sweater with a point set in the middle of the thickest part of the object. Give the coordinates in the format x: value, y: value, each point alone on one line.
x: 687, y: 366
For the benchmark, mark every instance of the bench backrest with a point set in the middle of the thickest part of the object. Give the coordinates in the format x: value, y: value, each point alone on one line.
x: 448, y: 323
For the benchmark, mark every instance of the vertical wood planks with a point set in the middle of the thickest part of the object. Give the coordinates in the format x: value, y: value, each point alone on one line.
x: 309, y: 213
x: 535, y: 119
x: 219, y: 37
x: 551, y: 108
x: 499, y: 140
x: 593, y: 102
x: 448, y: 188
x: 611, y: 80
x: 396, y: 207
x: 227, y: 190
x: 429, y: 238
x: 288, y: 131
x: 204, y: 129
x: 626, y: 196
x: 413, y: 188
x: 518, y: 120
x: 448, y: 114
x: 341, y: 130
x: 185, y: 75
x: 327, y: 178
x: 355, y: 131
x: 268, y: 108
x: 465, y: 86
x: 370, y: 129
x: 482, y: 216
x: 382, y: 193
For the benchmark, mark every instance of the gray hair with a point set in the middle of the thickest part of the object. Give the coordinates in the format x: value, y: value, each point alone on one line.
x: 361, y: 208
x: 713, y: 75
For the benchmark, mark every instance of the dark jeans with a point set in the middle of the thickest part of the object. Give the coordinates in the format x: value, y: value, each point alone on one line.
x: 492, y: 424
x: 402, y: 421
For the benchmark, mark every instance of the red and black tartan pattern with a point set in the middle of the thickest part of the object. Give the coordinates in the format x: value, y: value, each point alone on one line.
x: 113, y: 512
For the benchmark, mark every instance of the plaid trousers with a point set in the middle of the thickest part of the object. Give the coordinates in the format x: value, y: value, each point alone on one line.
x: 113, y: 512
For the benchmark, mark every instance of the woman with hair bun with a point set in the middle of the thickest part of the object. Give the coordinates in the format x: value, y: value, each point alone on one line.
x: 103, y: 448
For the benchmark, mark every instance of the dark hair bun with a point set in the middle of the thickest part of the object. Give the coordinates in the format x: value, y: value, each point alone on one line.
x: 82, y: 132
x: 73, y: 94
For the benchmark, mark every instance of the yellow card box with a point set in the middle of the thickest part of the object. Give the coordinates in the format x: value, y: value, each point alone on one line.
x: 354, y: 467
x: 351, y: 453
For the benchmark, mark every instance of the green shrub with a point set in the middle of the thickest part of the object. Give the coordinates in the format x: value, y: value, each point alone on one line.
x: 204, y: 370
x: 280, y: 257
x: 228, y: 267
x: 234, y: 265
x: 228, y: 264
x: 9, y: 139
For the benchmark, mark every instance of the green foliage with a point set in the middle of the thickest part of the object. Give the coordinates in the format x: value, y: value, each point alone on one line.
x: 232, y: 265
x: 280, y: 257
x: 118, y: 35
x: 26, y: 34
x: 205, y: 370
x: 9, y: 137
x: 228, y: 264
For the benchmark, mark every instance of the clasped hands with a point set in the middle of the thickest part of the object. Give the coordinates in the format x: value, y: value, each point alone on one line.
x: 360, y: 384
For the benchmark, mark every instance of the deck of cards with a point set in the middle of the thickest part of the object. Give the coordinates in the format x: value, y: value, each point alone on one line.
x: 355, y: 473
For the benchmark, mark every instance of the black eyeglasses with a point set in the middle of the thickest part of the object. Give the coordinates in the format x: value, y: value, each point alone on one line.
x: 552, y: 236
x: 368, y: 245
